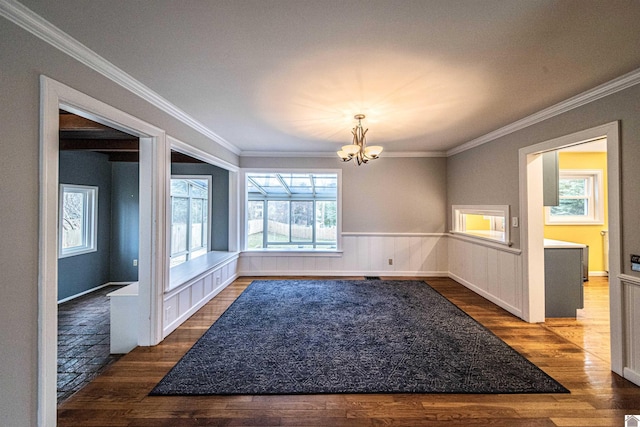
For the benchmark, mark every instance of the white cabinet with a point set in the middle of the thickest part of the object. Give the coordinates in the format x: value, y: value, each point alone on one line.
x: 124, y: 319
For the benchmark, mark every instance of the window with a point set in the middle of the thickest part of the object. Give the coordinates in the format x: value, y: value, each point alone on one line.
x: 581, y: 198
x: 78, y: 220
x: 189, y: 218
x: 292, y: 211
x: 489, y: 222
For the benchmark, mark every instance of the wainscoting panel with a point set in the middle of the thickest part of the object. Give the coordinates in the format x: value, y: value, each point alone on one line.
x: 631, y: 319
x: 370, y: 254
x: 180, y: 303
x: 491, y: 271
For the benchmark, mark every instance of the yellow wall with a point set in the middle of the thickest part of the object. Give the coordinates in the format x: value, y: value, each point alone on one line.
x: 585, y: 234
x: 477, y: 222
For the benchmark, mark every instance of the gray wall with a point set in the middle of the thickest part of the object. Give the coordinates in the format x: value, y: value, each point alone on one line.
x: 24, y: 59
x: 488, y: 174
x: 219, y: 199
x: 393, y: 195
x: 79, y: 273
x: 125, y: 221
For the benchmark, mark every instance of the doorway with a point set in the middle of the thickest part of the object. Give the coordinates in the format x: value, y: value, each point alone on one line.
x: 532, y: 231
x: 98, y: 242
x: 152, y: 248
x: 579, y: 217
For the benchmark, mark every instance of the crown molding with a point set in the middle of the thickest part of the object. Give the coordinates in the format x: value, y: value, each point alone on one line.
x: 43, y: 29
x: 46, y: 31
x: 332, y: 154
x: 616, y: 85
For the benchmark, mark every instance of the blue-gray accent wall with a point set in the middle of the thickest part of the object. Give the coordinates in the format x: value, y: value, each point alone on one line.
x: 118, y: 218
x: 79, y: 273
x: 124, y: 221
x: 219, y: 199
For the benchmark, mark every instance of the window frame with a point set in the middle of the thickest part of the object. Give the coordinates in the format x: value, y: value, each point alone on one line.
x: 90, y: 220
x: 207, y: 237
x: 290, y: 246
x: 595, y: 199
x: 458, y: 222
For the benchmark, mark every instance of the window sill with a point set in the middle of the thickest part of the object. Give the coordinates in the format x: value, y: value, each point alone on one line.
x: 291, y: 252
x: 76, y: 252
x: 498, y: 244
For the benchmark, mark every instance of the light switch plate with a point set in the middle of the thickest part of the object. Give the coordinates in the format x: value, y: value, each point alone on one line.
x: 514, y: 221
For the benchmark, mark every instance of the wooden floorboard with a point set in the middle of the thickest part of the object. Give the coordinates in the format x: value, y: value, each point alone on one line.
x: 573, y: 351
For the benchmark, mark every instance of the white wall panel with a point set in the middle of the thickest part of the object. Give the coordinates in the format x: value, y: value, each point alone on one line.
x: 442, y: 255
x: 184, y: 300
x: 631, y: 318
x: 363, y: 256
x: 270, y: 264
x: 309, y: 264
x: 507, y: 278
x: 493, y: 284
x: 480, y: 266
x: 416, y: 254
x: 208, y: 284
x: 492, y: 272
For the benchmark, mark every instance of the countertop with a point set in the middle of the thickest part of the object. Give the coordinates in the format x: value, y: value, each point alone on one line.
x: 559, y: 244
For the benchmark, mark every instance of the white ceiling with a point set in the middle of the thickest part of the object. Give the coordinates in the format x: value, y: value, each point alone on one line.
x: 289, y: 75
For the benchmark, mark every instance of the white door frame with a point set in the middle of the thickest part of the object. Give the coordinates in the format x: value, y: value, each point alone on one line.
x: 152, y: 267
x: 532, y: 229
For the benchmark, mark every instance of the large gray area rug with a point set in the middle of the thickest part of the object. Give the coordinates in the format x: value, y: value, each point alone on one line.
x: 344, y: 336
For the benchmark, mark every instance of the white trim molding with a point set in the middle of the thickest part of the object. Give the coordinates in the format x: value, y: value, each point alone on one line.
x: 88, y: 291
x: 532, y: 230
x: 152, y: 254
x: 46, y: 31
x: 485, y: 242
x: 632, y: 280
x: 616, y: 85
x: 332, y: 154
x: 196, y: 153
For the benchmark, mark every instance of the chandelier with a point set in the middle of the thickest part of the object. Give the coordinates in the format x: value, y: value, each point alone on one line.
x: 358, y: 150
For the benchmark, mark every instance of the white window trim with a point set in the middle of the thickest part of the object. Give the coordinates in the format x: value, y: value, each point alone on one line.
x: 458, y: 221
x: 596, y: 200
x: 90, y: 238
x: 290, y: 251
x: 209, y: 206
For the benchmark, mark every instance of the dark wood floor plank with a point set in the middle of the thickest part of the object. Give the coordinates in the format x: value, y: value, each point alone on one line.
x: 566, y: 349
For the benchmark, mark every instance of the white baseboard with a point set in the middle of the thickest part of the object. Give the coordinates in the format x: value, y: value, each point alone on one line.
x: 632, y: 376
x: 497, y: 301
x: 345, y: 273
x: 599, y: 273
x: 88, y: 291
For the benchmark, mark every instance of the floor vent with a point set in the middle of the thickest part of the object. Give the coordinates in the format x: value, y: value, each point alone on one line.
x: 372, y: 277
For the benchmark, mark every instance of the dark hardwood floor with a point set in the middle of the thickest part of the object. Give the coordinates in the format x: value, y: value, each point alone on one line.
x: 598, y: 397
x: 83, y: 341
